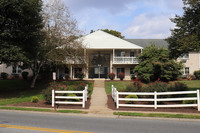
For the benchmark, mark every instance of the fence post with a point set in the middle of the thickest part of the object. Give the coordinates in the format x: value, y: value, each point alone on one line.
x: 155, y: 100
x: 117, y: 101
x: 53, y: 98
x: 83, y: 100
x: 112, y: 90
x: 198, y: 100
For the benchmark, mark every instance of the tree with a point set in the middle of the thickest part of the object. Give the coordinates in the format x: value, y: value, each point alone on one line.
x: 61, y: 45
x: 112, y: 32
x: 20, y: 30
x: 155, y: 64
x: 185, y: 37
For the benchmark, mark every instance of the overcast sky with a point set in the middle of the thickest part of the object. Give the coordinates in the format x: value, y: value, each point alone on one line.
x: 133, y: 18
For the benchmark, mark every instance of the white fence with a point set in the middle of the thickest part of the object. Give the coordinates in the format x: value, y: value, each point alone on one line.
x: 82, y: 98
x: 155, y: 99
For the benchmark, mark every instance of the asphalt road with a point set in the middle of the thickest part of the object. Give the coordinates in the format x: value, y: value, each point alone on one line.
x: 30, y: 122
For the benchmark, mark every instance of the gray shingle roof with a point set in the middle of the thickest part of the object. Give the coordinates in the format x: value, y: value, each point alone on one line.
x: 146, y: 42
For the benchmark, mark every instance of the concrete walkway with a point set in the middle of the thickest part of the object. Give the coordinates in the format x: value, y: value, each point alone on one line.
x: 99, y: 99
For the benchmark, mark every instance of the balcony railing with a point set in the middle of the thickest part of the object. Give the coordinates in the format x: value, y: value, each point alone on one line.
x: 125, y: 60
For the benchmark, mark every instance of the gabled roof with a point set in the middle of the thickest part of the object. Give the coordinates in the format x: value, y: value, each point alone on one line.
x: 147, y: 42
x: 103, y: 40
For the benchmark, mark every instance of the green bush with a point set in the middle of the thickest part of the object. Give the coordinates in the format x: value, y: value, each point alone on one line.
x: 47, y: 93
x: 25, y: 75
x: 189, y: 102
x: 178, y: 86
x: 4, y: 75
x: 73, y: 95
x: 197, y: 74
x: 157, y: 86
x: 34, y: 99
x: 111, y: 76
x: 131, y: 96
x: 135, y: 87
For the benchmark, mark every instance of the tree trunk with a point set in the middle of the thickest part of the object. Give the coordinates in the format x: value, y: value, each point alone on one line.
x: 36, y: 73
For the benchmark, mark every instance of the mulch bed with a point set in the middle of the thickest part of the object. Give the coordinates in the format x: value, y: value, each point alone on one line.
x: 111, y: 105
x: 42, y: 104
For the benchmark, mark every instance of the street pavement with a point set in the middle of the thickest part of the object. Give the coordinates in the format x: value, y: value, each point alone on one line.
x: 35, y: 122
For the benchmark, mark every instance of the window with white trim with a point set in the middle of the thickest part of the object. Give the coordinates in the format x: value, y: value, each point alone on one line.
x: 16, y: 70
x: 186, y: 71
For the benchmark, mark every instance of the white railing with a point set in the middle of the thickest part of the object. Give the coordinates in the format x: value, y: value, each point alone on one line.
x: 82, y: 98
x: 125, y: 60
x: 116, y: 97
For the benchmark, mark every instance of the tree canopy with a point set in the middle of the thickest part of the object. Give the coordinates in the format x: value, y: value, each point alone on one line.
x: 112, y: 32
x: 185, y: 37
x: 20, y: 30
x: 155, y: 64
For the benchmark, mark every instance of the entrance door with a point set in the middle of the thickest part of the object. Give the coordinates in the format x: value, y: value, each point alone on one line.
x: 99, y: 65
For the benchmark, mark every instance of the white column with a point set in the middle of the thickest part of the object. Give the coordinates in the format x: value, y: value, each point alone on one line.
x: 71, y: 72
x: 53, y: 98
x: 113, y: 55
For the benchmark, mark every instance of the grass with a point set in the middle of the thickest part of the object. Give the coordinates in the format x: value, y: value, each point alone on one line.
x: 163, y: 115
x: 18, y: 91
x: 43, y: 110
x: 117, y: 84
x: 192, y: 84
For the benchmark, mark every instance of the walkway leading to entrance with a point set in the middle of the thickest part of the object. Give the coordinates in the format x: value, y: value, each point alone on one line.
x: 99, y: 98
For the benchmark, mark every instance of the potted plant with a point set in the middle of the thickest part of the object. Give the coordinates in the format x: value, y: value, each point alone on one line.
x: 121, y: 75
x: 111, y: 76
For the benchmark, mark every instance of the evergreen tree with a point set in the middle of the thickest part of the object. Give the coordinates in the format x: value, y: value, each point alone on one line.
x: 155, y: 64
x: 185, y: 37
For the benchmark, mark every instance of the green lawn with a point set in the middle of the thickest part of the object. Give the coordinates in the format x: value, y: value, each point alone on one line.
x: 17, y: 91
x: 117, y: 84
x: 192, y: 84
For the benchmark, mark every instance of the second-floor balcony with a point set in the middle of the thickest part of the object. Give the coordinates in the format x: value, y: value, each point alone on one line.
x: 125, y: 60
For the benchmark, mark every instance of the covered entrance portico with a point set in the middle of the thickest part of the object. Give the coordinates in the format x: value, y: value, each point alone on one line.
x: 99, y: 65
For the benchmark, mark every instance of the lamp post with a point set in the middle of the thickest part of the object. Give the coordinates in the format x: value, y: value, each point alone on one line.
x: 99, y: 65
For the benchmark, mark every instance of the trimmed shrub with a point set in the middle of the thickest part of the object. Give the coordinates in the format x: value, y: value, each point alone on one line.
x: 131, y: 96
x: 25, y: 75
x: 4, y: 75
x: 73, y: 95
x: 197, y: 74
x: 189, y: 102
x: 47, y: 95
x: 34, y: 99
x: 80, y: 87
x: 121, y: 75
x: 111, y: 76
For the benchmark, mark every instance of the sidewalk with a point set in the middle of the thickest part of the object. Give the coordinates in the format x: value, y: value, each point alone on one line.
x: 99, y: 99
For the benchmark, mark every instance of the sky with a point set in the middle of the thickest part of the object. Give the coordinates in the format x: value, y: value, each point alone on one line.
x: 135, y: 19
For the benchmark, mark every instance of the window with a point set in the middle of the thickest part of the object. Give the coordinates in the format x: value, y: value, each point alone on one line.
x: 16, y: 70
x: 186, y: 71
x: 131, y: 71
x: 132, y: 54
x: 76, y: 71
x: 122, y: 70
x: 184, y: 56
x: 121, y: 54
